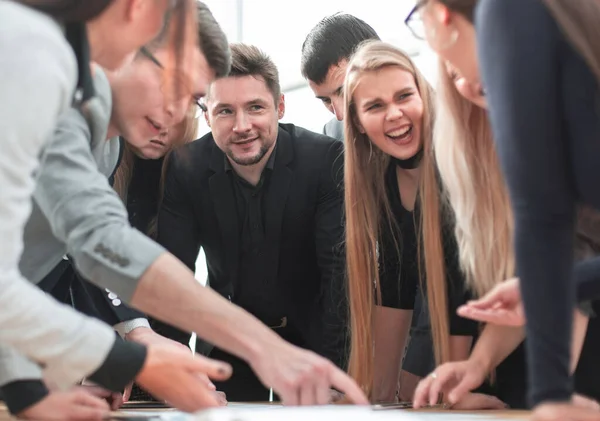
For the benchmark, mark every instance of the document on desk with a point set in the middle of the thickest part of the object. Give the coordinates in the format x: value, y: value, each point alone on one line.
x: 250, y: 412
x: 321, y: 413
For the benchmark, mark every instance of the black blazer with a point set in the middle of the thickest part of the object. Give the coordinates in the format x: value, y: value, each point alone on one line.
x: 303, y: 228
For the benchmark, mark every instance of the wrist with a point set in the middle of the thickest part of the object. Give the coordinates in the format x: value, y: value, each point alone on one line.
x: 125, y: 329
x: 138, y: 334
x: 257, y: 345
x: 482, y: 364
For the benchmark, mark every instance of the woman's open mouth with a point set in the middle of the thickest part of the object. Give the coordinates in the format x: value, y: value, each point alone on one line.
x: 401, y: 135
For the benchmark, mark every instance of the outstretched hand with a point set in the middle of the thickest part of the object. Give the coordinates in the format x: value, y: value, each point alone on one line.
x: 302, y: 377
x: 501, y: 306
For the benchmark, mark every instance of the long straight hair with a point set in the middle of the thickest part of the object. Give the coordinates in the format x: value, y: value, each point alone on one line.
x: 475, y: 188
x: 368, y: 212
x: 468, y: 162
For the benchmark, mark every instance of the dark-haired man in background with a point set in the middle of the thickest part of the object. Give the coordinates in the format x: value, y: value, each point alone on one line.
x: 325, y: 55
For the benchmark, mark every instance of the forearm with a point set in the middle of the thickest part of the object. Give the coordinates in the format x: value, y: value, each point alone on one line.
x: 169, y: 292
x: 391, y: 328
x: 460, y: 347
x: 580, y: 324
x: 495, y: 344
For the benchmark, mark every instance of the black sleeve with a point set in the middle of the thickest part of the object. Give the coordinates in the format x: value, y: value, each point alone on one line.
x: 519, y: 51
x: 587, y: 279
x: 101, y: 303
x: 329, y: 237
x: 177, y: 229
x: 121, y: 367
x: 22, y: 394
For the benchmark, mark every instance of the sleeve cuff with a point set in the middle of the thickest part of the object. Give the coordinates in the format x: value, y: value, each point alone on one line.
x: 122, y: 365
x: 20, y: 395
x: 124, y: 328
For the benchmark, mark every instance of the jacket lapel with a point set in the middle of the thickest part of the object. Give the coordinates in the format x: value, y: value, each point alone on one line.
x: 277, y: 195
x: 223, y: 197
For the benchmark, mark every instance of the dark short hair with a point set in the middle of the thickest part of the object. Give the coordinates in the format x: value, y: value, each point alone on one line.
x: 69, y: 10
x: 248, y: 60
x: 332, y: 40
x: 211, y: 39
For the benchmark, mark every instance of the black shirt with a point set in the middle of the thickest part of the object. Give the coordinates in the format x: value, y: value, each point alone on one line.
x: 399, y: 272
x: 544, y: 109
x: 250, y: 208
x: 144, y: 192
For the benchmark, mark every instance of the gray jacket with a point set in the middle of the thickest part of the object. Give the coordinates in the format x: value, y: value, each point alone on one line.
x: 38, y: 74
x: 76, y: 211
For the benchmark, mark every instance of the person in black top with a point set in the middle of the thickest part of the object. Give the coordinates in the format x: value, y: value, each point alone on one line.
x: 540, y: 69
x: 264, y: 201
x: 396, y: 229
x: 486, y: 253
x: 325, y: 54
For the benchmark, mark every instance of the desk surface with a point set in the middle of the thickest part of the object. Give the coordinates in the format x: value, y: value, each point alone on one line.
x: 504, y: 415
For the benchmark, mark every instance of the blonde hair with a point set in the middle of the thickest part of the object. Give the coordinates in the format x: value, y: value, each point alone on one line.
x: 475, y: 188
x: 365, y: 201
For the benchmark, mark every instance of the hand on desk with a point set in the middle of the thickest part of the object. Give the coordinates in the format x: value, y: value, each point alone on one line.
x: 302, y: 377
x: 181, y: 379
x: 455, y: 380
x: 115, y: 400
x: 73, y: 405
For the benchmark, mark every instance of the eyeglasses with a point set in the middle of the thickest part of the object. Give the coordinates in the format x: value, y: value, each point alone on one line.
x: 414, y: 22
x: 200, y: 103
x: 148, y: 54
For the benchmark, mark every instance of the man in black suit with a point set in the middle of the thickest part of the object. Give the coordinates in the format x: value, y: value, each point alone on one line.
x: 264, y: 200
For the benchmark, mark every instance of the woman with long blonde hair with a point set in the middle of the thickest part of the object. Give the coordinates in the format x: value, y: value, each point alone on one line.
x: 541, y: 70
x: 393, y: 210
x: 475, y: 188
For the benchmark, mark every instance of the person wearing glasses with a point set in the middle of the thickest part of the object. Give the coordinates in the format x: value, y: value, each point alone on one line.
x: 46, y: 47
x: 137, y: 91
x: 487, y: 255
x: 106, y: 250
x: 539, y: 66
